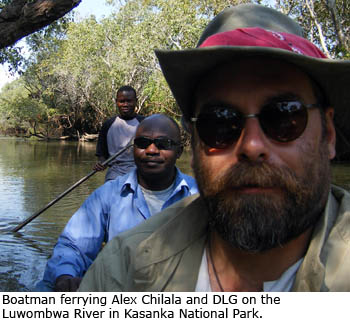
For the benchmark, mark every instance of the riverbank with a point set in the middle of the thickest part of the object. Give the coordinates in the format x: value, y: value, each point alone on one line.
x: 41, y: 137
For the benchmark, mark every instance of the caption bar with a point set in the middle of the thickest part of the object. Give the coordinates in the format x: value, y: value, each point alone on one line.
x: 128, y: 307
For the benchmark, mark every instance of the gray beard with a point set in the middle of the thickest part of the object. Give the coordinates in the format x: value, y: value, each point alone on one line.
x: 259, y: 222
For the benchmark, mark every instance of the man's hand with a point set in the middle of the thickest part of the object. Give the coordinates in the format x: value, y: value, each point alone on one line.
x: 99, y: 167
x: 67, y: 283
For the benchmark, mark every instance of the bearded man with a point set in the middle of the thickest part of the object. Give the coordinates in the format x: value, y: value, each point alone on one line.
x: 261, y: 103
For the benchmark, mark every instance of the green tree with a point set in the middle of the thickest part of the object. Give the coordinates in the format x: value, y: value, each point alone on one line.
x: 76, y: 67
x: 326, y: 22
x: 22, y: 113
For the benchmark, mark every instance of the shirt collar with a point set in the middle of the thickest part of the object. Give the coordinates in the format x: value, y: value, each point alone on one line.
x: 180, y: 182
x: 131, y: 183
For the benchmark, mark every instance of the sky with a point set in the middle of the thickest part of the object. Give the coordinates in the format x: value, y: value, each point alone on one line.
x: 95, y: 7
x: 84, y: 9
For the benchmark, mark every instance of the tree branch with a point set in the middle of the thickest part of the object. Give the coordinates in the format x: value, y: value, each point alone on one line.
x: 332, y: 8
x: 23, y: 17
x: 310, y: 6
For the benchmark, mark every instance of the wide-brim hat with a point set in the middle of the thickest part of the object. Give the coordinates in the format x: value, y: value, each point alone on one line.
x: 249, y: 31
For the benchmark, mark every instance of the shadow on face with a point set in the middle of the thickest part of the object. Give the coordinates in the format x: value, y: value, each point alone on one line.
x: 261, y: 192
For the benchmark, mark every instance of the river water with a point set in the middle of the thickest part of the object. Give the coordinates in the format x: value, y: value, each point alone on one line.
x: 31, y: 175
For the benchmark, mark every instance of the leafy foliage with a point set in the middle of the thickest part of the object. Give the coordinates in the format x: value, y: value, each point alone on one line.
x: 71, y: 78
x: 326, y: 22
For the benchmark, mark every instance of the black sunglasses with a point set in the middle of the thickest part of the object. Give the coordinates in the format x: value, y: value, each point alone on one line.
x: 162, y: 143
x: 282, y: 121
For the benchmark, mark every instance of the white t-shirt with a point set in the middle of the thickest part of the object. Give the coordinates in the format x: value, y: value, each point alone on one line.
x: 284, y: 283
x: 156, y: 199
x: 119, y: 135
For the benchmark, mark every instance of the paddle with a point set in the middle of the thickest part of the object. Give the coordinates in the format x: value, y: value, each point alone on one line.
x: 29, y: 219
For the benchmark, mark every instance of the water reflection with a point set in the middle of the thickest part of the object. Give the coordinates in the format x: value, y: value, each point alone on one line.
x: 34, y: 173
x: 31, y: 175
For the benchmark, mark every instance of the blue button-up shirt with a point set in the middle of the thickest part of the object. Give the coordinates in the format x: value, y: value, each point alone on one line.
x: 116, y: 206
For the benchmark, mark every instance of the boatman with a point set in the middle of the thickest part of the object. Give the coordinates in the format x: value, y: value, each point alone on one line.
x: 261, y: 103
x: 116, y: 133
x: 121, y: 204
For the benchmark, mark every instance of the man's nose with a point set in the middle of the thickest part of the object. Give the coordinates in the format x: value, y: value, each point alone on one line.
x: 253, y: 143
x: 152, y: 149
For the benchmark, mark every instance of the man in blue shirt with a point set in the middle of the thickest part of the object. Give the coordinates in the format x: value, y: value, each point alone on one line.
x: 121, y: 204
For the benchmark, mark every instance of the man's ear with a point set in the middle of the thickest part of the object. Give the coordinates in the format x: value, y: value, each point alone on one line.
x: 330, y: 132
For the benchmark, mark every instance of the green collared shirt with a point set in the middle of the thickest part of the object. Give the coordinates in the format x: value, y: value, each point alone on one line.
x: 164, y: 253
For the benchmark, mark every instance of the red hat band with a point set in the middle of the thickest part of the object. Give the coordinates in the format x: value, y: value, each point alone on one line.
x: 264, y: 38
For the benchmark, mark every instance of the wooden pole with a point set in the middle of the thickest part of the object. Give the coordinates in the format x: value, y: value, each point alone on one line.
x: 29, y: 219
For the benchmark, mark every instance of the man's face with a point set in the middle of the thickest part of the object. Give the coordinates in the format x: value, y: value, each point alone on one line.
x: 126, y: 103
x: 155, y: 164
x: 262, y: 193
